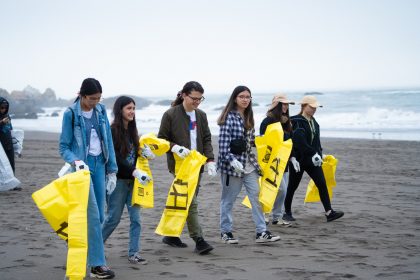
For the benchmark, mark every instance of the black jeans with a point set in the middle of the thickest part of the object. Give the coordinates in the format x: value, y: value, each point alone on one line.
x: 316, y: 174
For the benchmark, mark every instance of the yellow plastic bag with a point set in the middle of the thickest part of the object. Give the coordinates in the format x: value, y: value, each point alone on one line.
x: 273, y: 155
x: 328, y: 167
x: 143, y: 195
x: 64, y: 205
x: 180, y: 195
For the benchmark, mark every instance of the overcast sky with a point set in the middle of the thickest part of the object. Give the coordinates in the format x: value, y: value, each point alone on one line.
x: 150, y: 48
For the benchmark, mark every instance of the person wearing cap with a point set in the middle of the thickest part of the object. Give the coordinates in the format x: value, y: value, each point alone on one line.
x: 279, y: 112
x: 86, y: 143
x: 308, y: 152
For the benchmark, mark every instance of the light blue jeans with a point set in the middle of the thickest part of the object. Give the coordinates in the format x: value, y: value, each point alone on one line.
x: 278, y: 207
x: 119, y: 198
x: 96, y: 210
x: 229, y: 194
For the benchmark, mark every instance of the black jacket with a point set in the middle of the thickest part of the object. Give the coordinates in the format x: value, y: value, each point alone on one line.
x: 304, y: 148
x: 125, y: 169
x: 5, y: 129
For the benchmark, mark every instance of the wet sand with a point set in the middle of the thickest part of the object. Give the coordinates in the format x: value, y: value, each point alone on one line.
x: 378, y: 188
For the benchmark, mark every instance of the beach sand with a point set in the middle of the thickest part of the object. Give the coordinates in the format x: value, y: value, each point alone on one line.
x: 378, y: 188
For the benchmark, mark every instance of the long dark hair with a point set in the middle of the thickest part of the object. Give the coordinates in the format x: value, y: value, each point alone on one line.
x: 232, y: 106
x: 89, y: 86
x: 284, y: 118
x: 187, y: 89
x: 120, y: 135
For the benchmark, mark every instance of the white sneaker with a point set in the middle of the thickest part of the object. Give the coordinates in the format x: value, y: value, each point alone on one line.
x: 281, y: 222
x: 265, y: 237
x: 137, y: 259
x: 227, y: 237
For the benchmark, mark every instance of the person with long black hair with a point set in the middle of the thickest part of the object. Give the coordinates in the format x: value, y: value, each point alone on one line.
x: 186, y: 128
x: 126, y: 143
x: 86, y: 143
x: 308, y: 152
x: 238, y: 164
x: 279, y: 112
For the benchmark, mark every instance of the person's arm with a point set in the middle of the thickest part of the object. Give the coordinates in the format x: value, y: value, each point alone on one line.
x: 111, y: 165
x: 224, y: 140
x: 207, y: 147
x: 165, y: 128
x: 66, y: 138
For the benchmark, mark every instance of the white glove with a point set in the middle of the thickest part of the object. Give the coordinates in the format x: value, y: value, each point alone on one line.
x: 317, y: 160
x: 295, y: 163
x: 211, y: 168
x: 80, y: 164
x: 181, y: 151
x: 237, y: 165
x: 147, y: 153
x: 111, y: 182
x: 64, y: 170
x: 142, y: 176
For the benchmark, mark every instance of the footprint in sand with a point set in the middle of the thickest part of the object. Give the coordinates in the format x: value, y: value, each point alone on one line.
x: 165, y: 261
x: 173, y: 275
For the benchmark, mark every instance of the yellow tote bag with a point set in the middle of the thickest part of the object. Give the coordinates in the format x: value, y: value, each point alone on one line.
x: 64, y: 205
x: 273, y: 155
x: 180, y: 195
x: 328, y: 167
x: 143, y: 195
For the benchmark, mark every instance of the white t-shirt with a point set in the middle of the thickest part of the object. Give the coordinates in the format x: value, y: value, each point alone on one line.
x: 193, y: 130
x: 95, y: 143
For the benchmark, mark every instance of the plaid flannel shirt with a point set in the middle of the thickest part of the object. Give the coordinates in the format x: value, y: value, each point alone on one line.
x: 232, y: 129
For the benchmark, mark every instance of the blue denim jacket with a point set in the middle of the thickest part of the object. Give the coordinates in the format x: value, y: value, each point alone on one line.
x: 73, y: 143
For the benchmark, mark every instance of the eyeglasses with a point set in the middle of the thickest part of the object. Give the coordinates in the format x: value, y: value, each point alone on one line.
x: 3, y: 108
x: 244, y: 97
x: 197, y: 99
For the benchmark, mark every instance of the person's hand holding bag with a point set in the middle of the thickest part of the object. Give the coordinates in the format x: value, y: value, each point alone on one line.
x: 142, y: 176
x: 181, y: 151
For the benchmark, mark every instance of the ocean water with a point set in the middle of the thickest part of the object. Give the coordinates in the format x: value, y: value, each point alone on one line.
x: 370, y: 114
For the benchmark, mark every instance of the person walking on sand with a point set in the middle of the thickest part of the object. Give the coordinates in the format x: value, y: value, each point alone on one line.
x: 86, y: 143
x: 308, y: 152
x: 126, y: 143
x: 6, y: 132
x: 186, y: 128
x: 238, y: 164
x: 279, y: 112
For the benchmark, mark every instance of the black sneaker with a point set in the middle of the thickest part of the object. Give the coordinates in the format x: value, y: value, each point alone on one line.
x: 288, y: 217
x: 334, y: 215
x: 202, y: 247
x: 265, y: 237
x: 101, y: 272
x: 227, y: 237
x: 174, y: 242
